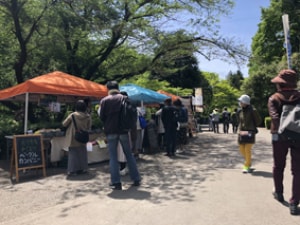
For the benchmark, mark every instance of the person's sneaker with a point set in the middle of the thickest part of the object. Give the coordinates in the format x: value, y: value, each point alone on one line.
x: 294, y: 209
x: 246, y: 169
x: 137, y: 183
x: 124, y: 171
x: 116, y: 186
x: 278, y: 196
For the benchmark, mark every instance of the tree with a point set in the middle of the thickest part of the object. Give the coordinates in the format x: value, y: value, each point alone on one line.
x: 223, y: 94
x: 268, y: 42
x: 235, y: 80
x: 24, y: 27
x: 81, y: 37
x: 268, y: 52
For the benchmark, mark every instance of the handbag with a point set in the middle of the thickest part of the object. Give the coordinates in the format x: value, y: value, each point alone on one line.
x: 247, y: 136
x: 143, y: 122
x: 80, y: 135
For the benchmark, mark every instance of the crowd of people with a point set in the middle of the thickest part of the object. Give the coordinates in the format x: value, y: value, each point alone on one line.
x: 226, y: 118
x: 169, y: 127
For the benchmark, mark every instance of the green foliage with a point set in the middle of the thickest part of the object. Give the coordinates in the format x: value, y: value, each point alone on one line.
x: 223, y: 94
x: 235, y: 79
x: 115, y: 40
x: 268, y: 122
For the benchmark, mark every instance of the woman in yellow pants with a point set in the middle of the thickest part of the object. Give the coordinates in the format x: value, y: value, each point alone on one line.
x: 248, y: 119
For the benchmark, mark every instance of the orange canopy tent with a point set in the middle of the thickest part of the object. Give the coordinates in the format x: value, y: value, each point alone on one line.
x: 65, y: 87
x: 174, y: 97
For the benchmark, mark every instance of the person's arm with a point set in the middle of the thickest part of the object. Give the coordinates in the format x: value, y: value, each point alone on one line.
x: 102, y: 111
x: 274, y: 112
x: 67, y: 121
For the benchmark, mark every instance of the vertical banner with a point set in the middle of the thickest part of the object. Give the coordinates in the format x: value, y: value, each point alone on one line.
x: 287, y: 44
x: 198, y: 100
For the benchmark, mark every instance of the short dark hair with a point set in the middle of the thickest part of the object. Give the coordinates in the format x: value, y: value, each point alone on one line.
x: 112, y: 85
x: 80, y: 106
x: 168, y: 101
x: 124, y: 93
x: 177, y: 102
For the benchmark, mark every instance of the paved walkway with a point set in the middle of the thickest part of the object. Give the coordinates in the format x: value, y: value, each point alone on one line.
x: 203, y: 185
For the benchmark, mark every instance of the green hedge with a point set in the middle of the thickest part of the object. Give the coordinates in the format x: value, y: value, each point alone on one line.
x: 268, y: 122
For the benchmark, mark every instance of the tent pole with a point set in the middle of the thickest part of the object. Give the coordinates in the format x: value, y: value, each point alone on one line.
x: 26, y: 112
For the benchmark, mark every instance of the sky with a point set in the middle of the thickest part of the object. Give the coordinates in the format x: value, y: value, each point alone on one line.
x: 242, y: 24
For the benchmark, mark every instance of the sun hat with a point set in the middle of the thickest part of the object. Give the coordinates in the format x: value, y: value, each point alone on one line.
x: 287, y: 77
x: 244, y: 99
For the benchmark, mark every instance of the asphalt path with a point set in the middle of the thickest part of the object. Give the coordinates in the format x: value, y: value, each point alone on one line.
x: 202, y: 185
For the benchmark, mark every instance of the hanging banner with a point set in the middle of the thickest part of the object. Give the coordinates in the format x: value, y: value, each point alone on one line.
x: 198, y: 100
x: 287, y: 44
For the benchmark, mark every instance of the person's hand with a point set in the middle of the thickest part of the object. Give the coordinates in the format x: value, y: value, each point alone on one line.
x: 275, y: 137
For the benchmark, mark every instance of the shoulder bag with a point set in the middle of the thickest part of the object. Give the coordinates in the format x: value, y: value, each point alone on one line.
x: 80, y: 135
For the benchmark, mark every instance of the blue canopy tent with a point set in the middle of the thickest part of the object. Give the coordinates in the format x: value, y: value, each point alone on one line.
x: 143, y: 95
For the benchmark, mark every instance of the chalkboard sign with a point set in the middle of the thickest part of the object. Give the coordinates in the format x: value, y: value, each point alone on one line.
x: 28, y: 152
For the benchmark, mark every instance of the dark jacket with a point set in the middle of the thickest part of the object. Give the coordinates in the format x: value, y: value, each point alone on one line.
x: 169, y: 117
x: 276, y: 102
x: 248, y: 119
x: 109, y: 112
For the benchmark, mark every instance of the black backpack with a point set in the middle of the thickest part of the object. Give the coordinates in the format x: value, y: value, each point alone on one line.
x: 226, y: 117
x: 127, y: 115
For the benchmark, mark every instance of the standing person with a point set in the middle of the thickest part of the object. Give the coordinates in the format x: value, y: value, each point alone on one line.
x: 286, y: 83
x: 160, y: 128
x: 248, y: 119
x: 109, y: 114
x: 215, y: 118
x: 169, y: 118
x: 210, y: 123
x: 77, y: 155
x: 140, y: 132
x: 121, y: 155
x: 183, y: 123
x: 234, y: 121
x: 226, y: 120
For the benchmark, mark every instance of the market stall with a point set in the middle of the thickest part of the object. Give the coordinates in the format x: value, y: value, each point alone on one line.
x: 50, y: 90
x: 143, y: 95
x: 53, y: 88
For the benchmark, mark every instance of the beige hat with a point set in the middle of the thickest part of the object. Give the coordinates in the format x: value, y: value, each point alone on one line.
x: 244, y: 99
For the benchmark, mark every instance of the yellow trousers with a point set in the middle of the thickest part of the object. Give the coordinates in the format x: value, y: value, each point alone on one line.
x: 245, y: 150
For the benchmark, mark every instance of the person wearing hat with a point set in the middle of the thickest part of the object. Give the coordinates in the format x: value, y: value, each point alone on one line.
x: 286, y: 84
x: 248, y: 120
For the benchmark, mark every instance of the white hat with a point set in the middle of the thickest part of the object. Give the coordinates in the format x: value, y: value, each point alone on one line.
x: 244, y: 99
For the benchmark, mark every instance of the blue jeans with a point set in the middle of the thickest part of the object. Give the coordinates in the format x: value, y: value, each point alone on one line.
x: 114, y: 166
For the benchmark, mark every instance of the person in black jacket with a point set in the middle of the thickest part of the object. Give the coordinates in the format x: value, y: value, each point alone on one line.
x: 183, y: 123
x: 169, y: 117
x: 109, y: 114
x: 225, y: 120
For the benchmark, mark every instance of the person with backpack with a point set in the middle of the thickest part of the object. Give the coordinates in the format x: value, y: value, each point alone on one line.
x: 286, y: 94
x: 225, y: 120
x: 116, y: 129
x: 234, y: 121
